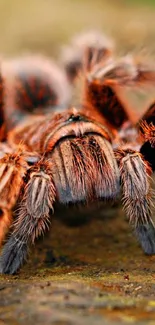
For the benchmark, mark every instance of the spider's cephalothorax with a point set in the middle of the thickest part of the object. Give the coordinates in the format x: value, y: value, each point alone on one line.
x: 79, y: 155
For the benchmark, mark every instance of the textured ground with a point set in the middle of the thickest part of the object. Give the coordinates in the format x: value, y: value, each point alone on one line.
x: 96, y: 274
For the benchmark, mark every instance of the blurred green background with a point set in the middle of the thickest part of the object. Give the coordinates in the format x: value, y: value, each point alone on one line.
x: 41, y: 25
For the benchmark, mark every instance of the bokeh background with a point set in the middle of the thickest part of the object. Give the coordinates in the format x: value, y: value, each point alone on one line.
x: 45, y: 25
x: 42, y: 25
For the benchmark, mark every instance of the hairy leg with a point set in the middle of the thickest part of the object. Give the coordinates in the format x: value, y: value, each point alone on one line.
x: 104, y: 89
x: 147, y: 128
x: 13, y: 168
x: 84, y: 49
x: 32, y: 218
x: 137, y: 193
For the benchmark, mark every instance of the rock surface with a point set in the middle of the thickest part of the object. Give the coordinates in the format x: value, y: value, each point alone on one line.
x: 90, y: 272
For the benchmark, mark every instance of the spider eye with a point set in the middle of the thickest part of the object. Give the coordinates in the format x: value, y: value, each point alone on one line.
x: 31, y: 160
x: 75, y: 118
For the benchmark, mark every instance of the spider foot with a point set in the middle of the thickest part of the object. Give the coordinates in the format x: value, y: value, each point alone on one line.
x: 146, y: 236
x: 13, y: 256
x: 137, y: 196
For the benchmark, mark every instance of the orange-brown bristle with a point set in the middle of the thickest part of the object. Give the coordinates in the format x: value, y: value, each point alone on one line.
x: 148, y: 132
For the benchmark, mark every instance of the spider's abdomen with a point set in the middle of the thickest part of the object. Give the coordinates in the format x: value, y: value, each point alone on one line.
x: 84, y: 169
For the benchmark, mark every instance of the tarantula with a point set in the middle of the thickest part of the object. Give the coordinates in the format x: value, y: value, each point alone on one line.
x: 78, y: 154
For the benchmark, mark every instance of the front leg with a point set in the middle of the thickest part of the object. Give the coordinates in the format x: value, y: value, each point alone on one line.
x: 32, y: 219
x: 137, y: 194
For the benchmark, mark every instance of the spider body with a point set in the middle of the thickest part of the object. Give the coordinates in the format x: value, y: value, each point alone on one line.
x: 79, y: 154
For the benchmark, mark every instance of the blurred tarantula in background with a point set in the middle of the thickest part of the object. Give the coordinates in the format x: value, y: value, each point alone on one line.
x: 52, y: 151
